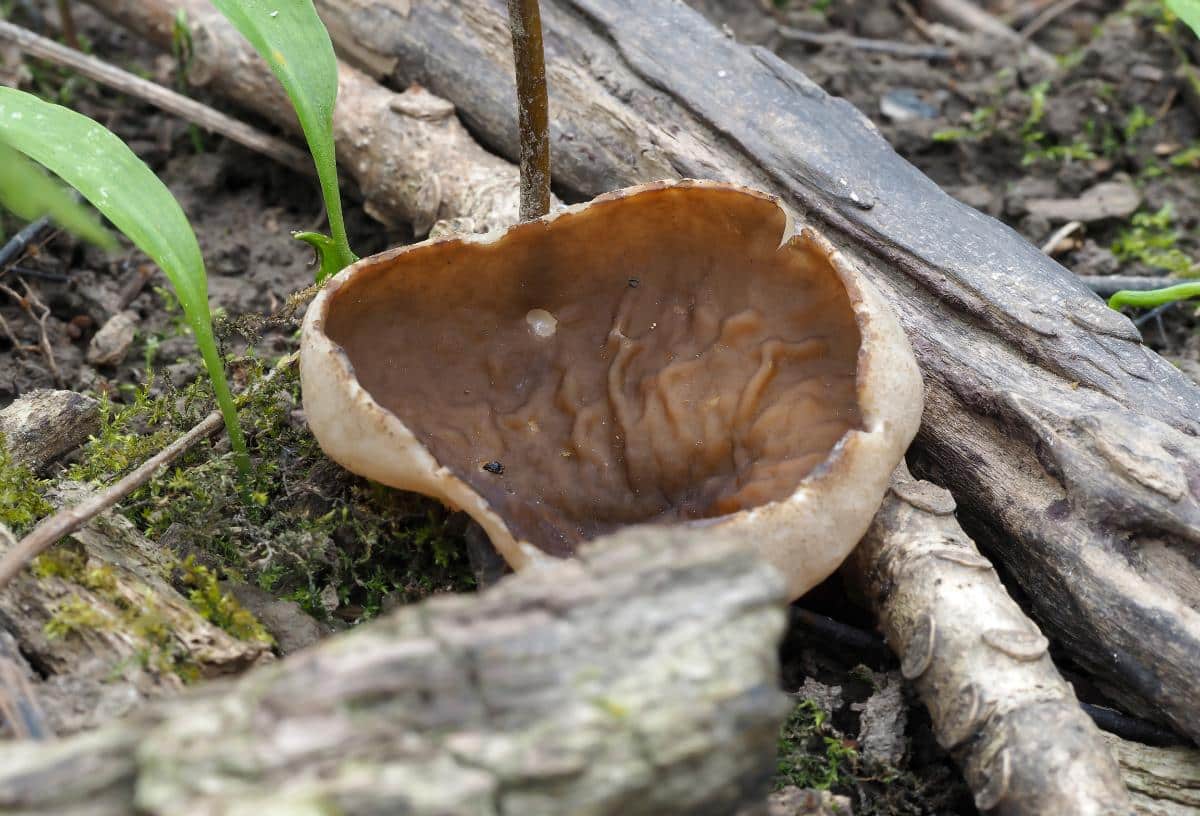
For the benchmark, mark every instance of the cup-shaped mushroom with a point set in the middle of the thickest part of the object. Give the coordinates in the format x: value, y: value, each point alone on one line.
x: 666, y: 354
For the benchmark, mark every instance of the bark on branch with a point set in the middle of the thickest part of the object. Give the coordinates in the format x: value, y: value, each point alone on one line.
x: 980, y: 666
x: 640, y: 679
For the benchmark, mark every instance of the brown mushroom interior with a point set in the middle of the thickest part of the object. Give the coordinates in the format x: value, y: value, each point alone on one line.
x: 696, y: 368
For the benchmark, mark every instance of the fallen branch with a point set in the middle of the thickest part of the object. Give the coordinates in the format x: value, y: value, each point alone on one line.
x: 638, y: 680
x: 971, y: 16
x: 1108, y: 285
x: 980, y: 666
x: 896, y: 49
x: 158, y: 96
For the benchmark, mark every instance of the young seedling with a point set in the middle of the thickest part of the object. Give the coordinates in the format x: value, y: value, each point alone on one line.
x: 106, y: 172
x: 292, y: 39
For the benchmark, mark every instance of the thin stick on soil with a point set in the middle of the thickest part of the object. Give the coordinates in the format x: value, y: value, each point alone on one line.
x: 1109, y: 285
x: 1047, y: 17
x: 896, y: 49
x: 533, y: 107
x: 29, y: 235
x: 162, y: 98
x: 70, y: 519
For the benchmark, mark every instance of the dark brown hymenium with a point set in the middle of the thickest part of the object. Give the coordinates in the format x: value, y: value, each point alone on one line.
x: 665, y: 354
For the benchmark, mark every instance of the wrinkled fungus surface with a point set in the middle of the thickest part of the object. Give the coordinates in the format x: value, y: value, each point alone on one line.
x: 656, y: 358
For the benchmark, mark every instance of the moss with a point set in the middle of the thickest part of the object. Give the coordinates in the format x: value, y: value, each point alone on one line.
x: 811, y: 753
x: 21, y: 500
x: 73, y: 615
x: 311, y: 532
x: 220, y: 608
x: 1151, y: 239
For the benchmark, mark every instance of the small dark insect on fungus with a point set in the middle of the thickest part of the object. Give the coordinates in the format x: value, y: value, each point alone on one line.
x: 752, y: 384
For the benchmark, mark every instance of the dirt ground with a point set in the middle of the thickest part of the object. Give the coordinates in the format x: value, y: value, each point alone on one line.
x: 1109, y: 141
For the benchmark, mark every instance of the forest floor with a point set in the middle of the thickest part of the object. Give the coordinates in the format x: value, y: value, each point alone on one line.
x: 1110, y: 141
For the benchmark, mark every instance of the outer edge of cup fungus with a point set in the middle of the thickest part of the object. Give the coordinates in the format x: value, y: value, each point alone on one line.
x: 806, y: 536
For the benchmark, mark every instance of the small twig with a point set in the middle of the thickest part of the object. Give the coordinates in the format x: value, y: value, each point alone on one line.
x: 70, y: 519
x: 19, y: 244
x: 533, y: 107
x: 133, y: 285
x: 969, y: 15
x: 1024, y: 12
x: 1108, y: 719
x: 1131, y: 728
x: 841, y: 634
x: 1066, y: 230
x: 897, y: 49
x: 12, y: 338
x: 26, y: 272
x: 1155, y: 315
x: 39, y: 312
x: 162, y: 98
x: 1108, y: 285
x: 1047, y: 17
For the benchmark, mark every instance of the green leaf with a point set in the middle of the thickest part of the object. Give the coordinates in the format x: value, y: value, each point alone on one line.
x: 106, y: 172
x: 292, y: 39
x: 1188, y: 11
x: 26, y: 190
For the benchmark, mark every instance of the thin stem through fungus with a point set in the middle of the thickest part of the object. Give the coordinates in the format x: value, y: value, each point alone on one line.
x: 533, y: 107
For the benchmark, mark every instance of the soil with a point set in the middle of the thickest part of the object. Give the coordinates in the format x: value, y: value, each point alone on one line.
x: 1003, y: 133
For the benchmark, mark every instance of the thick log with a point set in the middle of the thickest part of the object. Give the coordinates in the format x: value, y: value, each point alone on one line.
x: 640, y: 679
x: 1067, y: 444
x: 1162, y: 781
x: 1070, y: 447
x: 979, y: 664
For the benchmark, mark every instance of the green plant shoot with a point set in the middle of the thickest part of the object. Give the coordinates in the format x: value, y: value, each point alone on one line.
x: 292, y: 39
x: 1154, y: 297
x: 1188, y: 11
x: 106, y: 172
x: 27, y: 191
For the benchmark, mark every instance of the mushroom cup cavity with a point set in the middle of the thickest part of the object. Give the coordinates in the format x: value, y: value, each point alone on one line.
x: 666, y: 354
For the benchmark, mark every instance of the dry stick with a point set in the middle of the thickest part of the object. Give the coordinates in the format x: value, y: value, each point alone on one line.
x: 1046, y: 17
x: 533, y: 107
x: 979, y: 664
x: 968, y: 15
x: 1108, y: 285
x: 896, y: 49
x: 70, y: 519
x: 162, y: 98
x: 1062, y: 233
x: 30, y: 234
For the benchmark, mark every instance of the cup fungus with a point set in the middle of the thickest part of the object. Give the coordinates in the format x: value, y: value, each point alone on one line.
x: 668, y: 354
